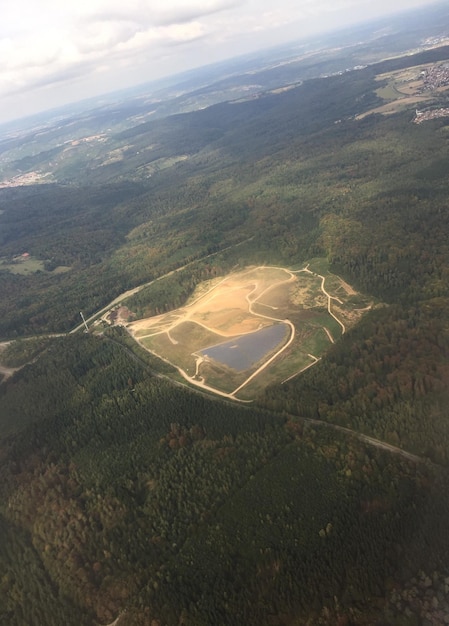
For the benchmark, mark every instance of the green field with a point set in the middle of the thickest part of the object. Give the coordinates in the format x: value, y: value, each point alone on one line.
x: 22, y: 265
x: 29, y: 265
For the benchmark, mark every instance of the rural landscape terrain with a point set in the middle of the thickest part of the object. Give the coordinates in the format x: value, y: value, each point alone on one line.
x: 224, y: 343
x: 236, y: 328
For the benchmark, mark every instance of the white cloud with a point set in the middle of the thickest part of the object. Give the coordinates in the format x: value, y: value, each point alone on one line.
x: 54, y: 41
x: 48, y: 32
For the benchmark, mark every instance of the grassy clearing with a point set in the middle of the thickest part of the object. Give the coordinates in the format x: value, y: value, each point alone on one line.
x: 159, y: 165
x: 29, y: 265
x: 293, y: 362
x: 163, y: 347
x: 387, y: 93
x: 221, y: 377
x: 188, y: 336
x: 22, y: 265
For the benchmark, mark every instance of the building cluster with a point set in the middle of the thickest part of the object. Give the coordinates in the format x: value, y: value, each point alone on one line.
x: 29, y: 178
x: 424, y: 116
x: 435, y: 77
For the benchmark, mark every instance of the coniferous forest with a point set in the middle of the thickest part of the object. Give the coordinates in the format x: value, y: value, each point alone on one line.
x: 129, y: 498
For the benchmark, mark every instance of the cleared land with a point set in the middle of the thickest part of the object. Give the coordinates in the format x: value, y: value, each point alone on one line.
x: 237, y: 312
x: 25, y: 264
x: 406, y: 87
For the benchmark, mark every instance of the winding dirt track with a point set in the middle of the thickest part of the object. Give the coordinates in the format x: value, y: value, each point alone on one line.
x: 189, y: 312
x: 131, y: 292
x: 7, y: 371
x: 275, y: 319
x: 371, y: 441
x: 328, y: 296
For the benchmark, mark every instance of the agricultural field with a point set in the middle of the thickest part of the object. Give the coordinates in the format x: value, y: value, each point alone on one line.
x: 417, y: 85
x: 255, y: 327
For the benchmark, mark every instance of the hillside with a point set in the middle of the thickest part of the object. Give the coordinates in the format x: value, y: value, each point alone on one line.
x: 127, y: 493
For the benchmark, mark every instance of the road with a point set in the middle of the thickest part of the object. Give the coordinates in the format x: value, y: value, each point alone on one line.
x: 275, y: 319
x: 367, y: 439
x: 328, y: 296
x: 225, y: 397
x: 371, y: 441
x: 132, y: 292
x: 7, y: 371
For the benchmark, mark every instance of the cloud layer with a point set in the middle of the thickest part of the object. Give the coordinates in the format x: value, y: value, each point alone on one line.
x: 84, y: 46
x: 45, y: 38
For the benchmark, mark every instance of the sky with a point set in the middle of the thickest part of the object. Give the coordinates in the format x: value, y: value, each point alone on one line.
x: 54, y: 52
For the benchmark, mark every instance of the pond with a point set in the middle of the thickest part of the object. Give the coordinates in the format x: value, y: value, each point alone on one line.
x: 245, y: 351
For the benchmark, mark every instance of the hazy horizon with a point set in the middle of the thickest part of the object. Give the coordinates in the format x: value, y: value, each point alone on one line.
x: 52, y: 55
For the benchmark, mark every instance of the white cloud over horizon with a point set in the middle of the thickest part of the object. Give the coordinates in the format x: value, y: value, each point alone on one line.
x: 52, y: 53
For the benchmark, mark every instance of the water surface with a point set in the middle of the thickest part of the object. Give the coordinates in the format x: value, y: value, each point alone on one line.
x: 245, y: 351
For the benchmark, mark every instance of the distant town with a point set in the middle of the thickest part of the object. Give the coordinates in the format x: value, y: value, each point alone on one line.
x: 424, y: 116
x: 433, y: 78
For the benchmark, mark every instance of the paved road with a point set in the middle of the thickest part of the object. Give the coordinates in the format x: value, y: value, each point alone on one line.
x: 131, y: 292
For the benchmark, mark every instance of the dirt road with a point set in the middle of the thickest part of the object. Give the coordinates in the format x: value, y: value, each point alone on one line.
x: 371, y: 441
x: 7, y: 372
x: 132, y: 292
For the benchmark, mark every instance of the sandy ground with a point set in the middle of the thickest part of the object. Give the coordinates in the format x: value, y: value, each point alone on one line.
x: 7, y: 372
x: 349, y: 290
x: 225, y: 308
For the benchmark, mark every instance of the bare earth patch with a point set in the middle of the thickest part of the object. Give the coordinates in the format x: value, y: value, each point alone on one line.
x: 348, y: 289
x: 248, y: 304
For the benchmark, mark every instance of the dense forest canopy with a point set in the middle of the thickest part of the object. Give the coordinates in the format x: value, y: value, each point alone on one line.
x: 128, y: 496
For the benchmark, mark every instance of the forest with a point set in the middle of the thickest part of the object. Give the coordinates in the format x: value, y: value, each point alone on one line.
x: 124, y: 491
x: 127, y: 496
